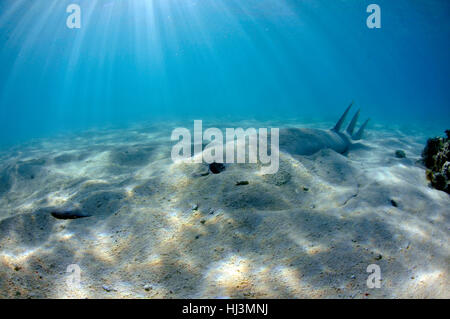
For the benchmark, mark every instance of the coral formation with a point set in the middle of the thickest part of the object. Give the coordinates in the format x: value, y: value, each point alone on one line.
x: 436, y: 157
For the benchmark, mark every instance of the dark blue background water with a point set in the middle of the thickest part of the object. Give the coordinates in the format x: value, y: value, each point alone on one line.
x: 135, y: 60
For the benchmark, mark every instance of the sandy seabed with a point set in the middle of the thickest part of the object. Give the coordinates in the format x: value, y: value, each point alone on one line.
x: 161, y: 229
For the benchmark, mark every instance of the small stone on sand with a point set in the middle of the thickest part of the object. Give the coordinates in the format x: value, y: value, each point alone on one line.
x: 216, y: 168
x: 400, y: 154
x: 148, y: 287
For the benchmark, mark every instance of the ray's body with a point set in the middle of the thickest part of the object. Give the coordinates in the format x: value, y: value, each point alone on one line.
x: 307, y: 141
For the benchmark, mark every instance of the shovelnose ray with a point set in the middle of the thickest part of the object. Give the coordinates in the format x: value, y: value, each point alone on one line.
x: 307, y: 141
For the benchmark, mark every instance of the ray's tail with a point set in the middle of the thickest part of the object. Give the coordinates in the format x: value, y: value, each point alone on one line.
x: 360, y: 132
x: 339, y: 123
x: 351, y: 127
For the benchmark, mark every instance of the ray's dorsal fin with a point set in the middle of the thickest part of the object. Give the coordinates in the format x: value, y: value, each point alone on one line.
x: 358, y: 135
x: 339, y: 123
x: 351, y: 126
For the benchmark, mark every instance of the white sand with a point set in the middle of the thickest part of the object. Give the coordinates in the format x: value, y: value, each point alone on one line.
x: 310, y: 231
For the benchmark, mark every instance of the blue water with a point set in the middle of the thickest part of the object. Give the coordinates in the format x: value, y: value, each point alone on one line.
x: 137, y: 60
